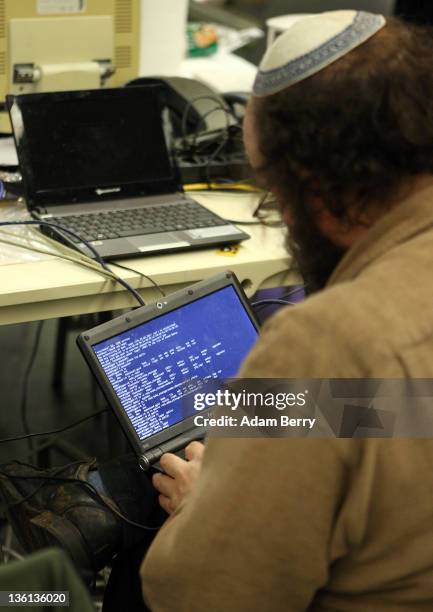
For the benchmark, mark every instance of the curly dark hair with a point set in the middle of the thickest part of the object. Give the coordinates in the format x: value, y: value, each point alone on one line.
x: 359, y: 129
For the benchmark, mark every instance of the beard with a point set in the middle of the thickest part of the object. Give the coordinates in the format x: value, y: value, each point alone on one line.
x: 316, y: 256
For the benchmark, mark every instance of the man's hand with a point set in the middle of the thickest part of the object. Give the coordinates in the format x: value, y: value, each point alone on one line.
x: 179, y: 477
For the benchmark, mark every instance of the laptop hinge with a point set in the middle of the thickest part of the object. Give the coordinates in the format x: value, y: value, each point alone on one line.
x: 153, y: 455
x: 38, y: 210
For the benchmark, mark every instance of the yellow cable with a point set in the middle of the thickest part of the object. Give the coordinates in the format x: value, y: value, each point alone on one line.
x: 220, y: 187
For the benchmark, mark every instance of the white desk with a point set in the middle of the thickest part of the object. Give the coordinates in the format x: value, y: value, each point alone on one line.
x: 54, y: 288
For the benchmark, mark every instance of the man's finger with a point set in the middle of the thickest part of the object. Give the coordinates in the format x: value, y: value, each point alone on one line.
x: 194, y: 450
x: 165, y: 504
x: 173, y: 465
x: 164, y: 484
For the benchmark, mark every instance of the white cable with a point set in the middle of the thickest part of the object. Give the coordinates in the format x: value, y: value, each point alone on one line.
x: 58, y: 246
x: 76, y: 260
x: 74, y: 255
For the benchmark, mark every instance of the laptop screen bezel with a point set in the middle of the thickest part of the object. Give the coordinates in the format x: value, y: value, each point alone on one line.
x: 44, y: 198
x: 121, y: 324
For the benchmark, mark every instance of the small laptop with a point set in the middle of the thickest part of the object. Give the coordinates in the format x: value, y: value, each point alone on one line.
x: 97, y: 163
x: 151, y: 361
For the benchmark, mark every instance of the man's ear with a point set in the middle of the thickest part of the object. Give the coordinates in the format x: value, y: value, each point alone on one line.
x: 340, y: 231
x: 287, y: 217
x: 328, y: 223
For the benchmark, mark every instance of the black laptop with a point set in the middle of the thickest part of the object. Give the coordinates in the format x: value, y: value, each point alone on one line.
x: 150, y: 362
x: 97, y: 163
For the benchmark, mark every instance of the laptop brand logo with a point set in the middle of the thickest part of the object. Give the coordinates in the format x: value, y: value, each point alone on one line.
x: 100, y: 192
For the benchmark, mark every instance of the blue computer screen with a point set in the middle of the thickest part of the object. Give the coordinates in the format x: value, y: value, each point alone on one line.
x: 153, y: 366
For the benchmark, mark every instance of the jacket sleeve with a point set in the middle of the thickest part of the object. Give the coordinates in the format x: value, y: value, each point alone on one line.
x: 255, y: 532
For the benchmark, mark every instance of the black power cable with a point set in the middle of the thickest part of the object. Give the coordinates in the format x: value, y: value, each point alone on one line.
x: 149, y: 278
x: 28, y: 370
x: 238, y: 222
x: 54, y: 431
x: 271, y: 301
x: 190, y: 147
x: 219, y: 104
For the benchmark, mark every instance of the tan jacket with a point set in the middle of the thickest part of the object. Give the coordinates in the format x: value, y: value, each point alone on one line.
x: 342, y: 525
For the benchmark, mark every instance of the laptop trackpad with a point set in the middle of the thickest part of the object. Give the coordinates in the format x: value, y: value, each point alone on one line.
x: 162, y: 241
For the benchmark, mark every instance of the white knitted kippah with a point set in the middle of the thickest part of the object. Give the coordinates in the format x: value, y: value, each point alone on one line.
x: 312, y: 44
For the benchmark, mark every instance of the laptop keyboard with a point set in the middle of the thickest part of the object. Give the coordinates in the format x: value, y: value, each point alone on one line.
x: 139, y: 221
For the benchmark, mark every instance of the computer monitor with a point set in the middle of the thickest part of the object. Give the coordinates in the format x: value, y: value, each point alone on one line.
x: 60, y: 45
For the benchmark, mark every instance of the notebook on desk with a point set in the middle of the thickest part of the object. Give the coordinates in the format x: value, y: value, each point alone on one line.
x: 97, y: 163
x: 149, y: 362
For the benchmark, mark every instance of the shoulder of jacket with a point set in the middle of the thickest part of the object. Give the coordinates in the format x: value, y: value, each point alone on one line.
x: 331, y: 334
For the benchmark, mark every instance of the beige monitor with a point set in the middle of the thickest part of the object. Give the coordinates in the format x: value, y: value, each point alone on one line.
x: 58, y: 45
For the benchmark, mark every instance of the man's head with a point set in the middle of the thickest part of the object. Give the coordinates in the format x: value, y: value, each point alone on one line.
x: 341, y: 147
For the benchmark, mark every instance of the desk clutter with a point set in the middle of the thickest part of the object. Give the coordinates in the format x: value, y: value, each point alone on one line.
x: 105, y: 183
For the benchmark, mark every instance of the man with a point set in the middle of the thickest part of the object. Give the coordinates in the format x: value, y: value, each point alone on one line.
x: 340, y: 129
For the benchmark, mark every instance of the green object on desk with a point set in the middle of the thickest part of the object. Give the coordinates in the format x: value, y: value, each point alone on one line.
x: 196, y: 40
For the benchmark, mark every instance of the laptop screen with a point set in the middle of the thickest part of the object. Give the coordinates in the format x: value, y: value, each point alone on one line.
x: 149, y: 365
x: 75, y: 145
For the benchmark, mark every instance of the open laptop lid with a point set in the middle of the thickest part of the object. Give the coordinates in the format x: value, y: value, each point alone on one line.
x: 142, y: 360
x: 86, y: 146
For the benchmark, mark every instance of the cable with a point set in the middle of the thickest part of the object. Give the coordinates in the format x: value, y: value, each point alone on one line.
x: 154, y: 283
x: 213, y: 157
x: 294, y: 291
x: 25, y: 385
x: 54, y: 431
x: 28, y: 370
x: 238, y: 222
x: 100, y: 259
x: 225, y: 139
x: 54, y: 478
x: 245, y: 184
x: 226, y: 186
x: 87, y: 244
x: 79, y: 261
x: 272, y: 301
x: 190, y: 104
x: 265, y: 205
x: 68, y: 252
x: 205, y: 116
x: 191, y: 146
